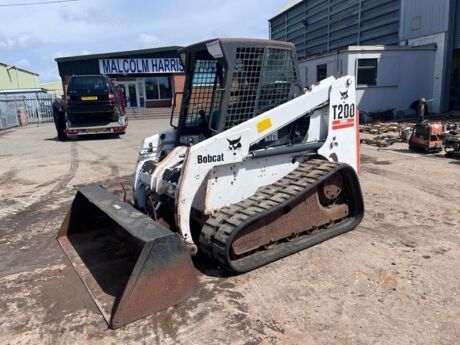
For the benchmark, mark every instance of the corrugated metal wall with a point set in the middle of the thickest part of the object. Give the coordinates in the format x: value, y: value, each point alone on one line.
x: 424, y: 17
x: 316, y: 26
x: 457, y: 26
x: 8, y: 114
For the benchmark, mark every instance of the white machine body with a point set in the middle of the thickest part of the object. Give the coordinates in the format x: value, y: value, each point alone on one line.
x: 222, y: 170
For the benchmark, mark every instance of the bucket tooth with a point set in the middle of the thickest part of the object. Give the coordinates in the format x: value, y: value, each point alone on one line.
x: 130, y: 265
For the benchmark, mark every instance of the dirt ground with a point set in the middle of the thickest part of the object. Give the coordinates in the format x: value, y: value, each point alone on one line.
x: 393, y: 280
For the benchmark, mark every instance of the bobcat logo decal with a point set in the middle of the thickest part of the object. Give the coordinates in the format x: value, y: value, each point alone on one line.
x: 234, y: 144
x: 344, y: 95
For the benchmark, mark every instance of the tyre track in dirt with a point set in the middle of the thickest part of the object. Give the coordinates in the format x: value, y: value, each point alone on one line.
x: 8, y: 175
x: 34, y: 225
x: 417, y: 182
x: 114, y: 182
x: 26, y: 209
x: 64, y: 180
x: 114, y: 171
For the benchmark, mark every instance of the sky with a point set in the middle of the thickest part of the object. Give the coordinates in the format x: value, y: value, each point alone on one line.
x: 32, y: 36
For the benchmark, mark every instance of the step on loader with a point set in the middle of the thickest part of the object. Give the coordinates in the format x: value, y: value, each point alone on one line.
x: 255, y: 169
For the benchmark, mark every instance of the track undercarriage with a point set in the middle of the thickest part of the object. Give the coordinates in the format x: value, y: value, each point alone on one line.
x: 315, y: 202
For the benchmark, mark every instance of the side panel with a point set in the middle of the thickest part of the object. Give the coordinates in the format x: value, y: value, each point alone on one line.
x: 228, y: 184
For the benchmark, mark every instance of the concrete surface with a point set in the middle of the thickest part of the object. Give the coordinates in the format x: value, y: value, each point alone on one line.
x: 394, y: 280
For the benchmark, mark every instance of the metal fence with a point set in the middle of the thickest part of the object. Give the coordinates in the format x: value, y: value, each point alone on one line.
x: 23, y: 109
x: 8, y: 115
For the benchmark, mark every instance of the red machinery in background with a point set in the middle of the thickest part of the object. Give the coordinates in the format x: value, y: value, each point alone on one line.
x: 426, y: 135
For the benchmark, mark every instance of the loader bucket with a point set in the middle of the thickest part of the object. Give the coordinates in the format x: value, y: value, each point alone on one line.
x: 131, y: 265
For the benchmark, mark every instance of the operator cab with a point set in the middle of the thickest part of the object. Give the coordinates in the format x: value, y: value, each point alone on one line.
x: 229, y: 81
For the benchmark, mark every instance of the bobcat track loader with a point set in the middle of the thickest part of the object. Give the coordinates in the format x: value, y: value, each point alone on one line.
x: 255, y: 169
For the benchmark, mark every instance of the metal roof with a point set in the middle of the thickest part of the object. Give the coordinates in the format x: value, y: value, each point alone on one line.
x: 19, y: 68
x: 391, y: 47
x: 120, y: 53
x: 38, y: 89
x: 238, y: 41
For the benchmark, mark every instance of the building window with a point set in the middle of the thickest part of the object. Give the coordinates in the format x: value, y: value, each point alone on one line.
x: 321, y: 72
x: 367, y: 72
x: 158, y: 88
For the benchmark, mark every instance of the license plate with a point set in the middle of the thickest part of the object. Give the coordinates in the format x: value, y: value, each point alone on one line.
x: 89, y: 98
x: 97, y: 130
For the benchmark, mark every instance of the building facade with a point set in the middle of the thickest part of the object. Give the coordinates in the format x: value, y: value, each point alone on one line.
x: 317, y: 26
x: 22, y: 100
x: 149, y: 77
x: 388, y: 78
x: 436, y: 22
x: 54, y: 88
x: 321, y: 27
x: 15, y: 78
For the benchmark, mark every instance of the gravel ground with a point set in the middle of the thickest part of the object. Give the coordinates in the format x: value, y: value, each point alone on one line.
x: 394, y: 280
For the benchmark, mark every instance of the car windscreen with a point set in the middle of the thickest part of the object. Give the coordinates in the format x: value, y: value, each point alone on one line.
x: 93, y: 83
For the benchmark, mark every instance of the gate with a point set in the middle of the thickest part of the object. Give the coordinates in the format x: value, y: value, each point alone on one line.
x: 37, y: 107
x: 8, y: 114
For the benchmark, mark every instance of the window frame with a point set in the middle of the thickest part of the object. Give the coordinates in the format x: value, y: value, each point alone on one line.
x: 157, y: 86
x: 322, y: 65
x: 367, y: 68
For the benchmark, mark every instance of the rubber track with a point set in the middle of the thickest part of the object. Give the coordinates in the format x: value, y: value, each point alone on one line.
x: 220, y: 229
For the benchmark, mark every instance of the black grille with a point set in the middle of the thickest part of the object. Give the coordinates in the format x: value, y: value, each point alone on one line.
x: 261, y: 81
x: 205, y: 94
